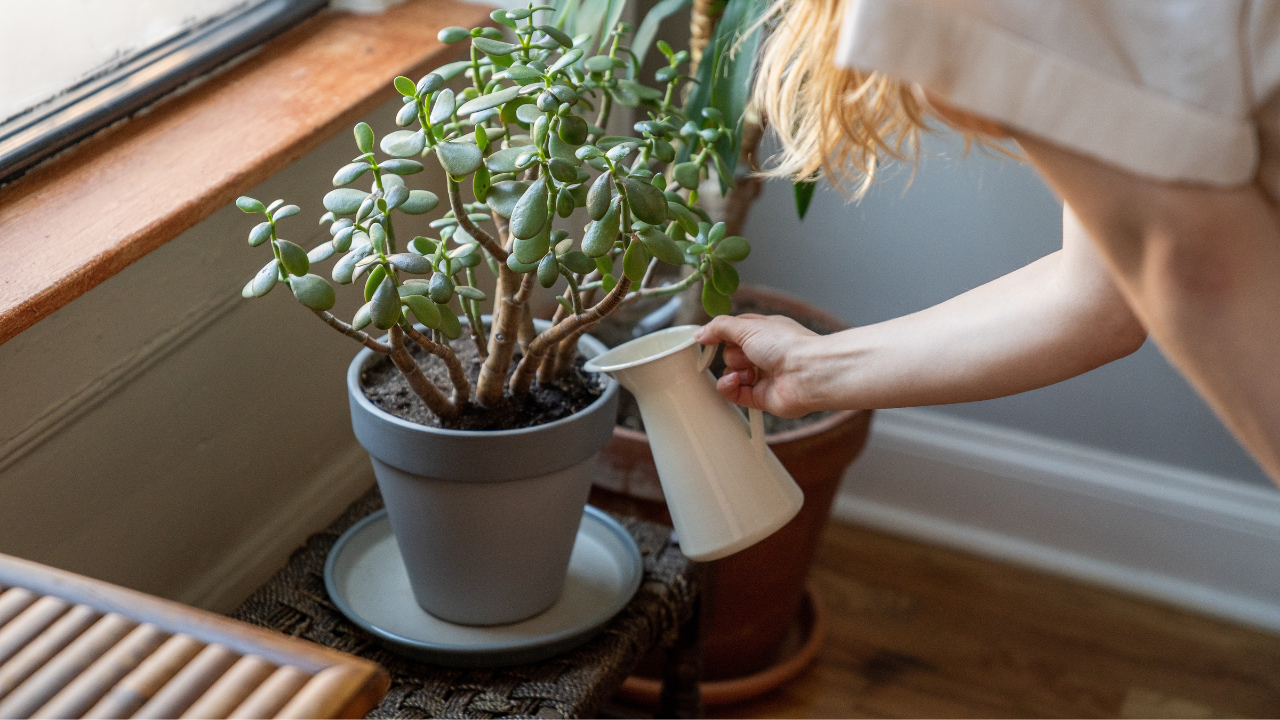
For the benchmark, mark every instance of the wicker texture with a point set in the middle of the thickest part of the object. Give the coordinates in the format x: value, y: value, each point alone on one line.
x: 575, y: 684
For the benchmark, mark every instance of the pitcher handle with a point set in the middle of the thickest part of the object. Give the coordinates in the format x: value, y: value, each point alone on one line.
x: 755, y: 417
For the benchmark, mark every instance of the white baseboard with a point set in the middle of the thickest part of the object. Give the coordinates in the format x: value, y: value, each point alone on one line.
x: 256, y: 559
x: 1184, y: 538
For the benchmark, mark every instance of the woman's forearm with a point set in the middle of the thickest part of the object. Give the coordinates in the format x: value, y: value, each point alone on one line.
x: 1051, y: 320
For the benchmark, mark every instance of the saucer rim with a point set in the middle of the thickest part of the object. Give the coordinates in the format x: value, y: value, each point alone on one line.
x: 508, y: 652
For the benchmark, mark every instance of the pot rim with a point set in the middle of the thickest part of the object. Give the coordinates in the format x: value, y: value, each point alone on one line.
x: 365, y: 357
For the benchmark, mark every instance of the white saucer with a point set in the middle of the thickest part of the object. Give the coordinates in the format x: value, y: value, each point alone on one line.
x: 366, y: 579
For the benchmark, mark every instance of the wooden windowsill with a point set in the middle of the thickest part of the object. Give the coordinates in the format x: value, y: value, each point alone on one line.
x: 81, y: 218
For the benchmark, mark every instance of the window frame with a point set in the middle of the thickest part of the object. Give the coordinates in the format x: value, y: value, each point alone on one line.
x: 143, y: 78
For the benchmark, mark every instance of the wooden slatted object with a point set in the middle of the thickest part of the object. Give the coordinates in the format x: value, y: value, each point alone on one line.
x: 72, y: 647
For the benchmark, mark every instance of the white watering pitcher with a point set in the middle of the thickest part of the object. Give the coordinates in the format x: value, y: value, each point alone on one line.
x: 724, y: 487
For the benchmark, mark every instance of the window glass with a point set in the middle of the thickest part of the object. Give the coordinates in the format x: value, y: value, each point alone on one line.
x: 73, y: 40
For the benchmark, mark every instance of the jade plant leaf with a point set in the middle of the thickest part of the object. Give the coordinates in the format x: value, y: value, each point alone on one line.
x: 313, y: 291
x: 459, y: 158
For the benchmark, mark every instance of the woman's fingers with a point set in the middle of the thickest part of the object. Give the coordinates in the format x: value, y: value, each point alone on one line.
x: 725, y: 328
x: 735, y: 358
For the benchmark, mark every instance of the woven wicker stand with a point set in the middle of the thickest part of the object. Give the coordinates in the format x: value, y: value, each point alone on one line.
x: 663, y: 613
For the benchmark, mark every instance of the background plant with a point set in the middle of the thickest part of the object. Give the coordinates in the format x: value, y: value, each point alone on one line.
x: 526, y: 137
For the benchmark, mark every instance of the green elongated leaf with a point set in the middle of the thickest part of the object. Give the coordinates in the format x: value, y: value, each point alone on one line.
x: 597, y: 241
x: 362, y: 317
x: 348, y: 174
x: 567, y: 59
x: 577, y: 261
x: 713, y: 301
x: 266, y: 278
x: 681, y: 214
x: 405, y: 86
x: 249, y: 205
x: 504, y: 195
x: 260, y: 233
x: 427, y: 312
x: 403, y: 143
x: 450, y: 326
x: 400, y: 166
x: 520, y: 267
x: 459, y: 158
x: 420, y: 202
x: 648, y: 29
x: 452, y: 70
x: 470, y: 293
x: 599, y: 63
x: 378, y: 236
x: 647, y: 202
x: 313, y: 291
x: 422, y: 245
x: 532, y: 250
x: 293, y: 257
x: 804, y: 195
x: 724, y: 276
x: 725, y: 76
x: 344, y: 269
x: 342, y: 239
x: 284, y: 212
x: 413, y: 286
x: 562, y: 150
x: 523, y: 74
x: 442, y: 109
x: 562, y: 170
x: 687, y: 174
x: 716, y: 233
x: 374, y: 280
x: 556, y: 34
x: 530, y: 214
x: 502, y: 17
x: 321, y: 252
x: 599, y: 196
x: 247, y: 291
x: 573, y: 130
x: 384, y: 306
x: 453, y: 34
x: 548, y: 271
x: 364, y: 137
x: 564, y: 204
x: 441, y: 289
x: 635, y: 261
x: 411, y: 263
x: 489, y: 46
x: 528, y: 114
x: 344, y: 201
x: 396, y: 196
x: 489, y: 100
x: 480, y: 183
x: 733, y: 248
x: 661, y: 246
x: 504, y: 161
x: 406, y: 114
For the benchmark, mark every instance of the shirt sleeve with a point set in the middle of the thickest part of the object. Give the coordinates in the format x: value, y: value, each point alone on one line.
x: 1157, y: 87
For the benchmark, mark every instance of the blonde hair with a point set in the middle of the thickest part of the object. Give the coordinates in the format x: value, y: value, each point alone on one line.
x: 839, y: 122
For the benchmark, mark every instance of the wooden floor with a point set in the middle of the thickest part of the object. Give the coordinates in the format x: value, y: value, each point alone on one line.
x: 920, y: 631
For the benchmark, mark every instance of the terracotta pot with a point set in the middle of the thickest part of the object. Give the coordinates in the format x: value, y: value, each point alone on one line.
x: 758, y: 591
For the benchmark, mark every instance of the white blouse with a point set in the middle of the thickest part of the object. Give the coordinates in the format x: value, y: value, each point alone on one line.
x: 1171, y: 89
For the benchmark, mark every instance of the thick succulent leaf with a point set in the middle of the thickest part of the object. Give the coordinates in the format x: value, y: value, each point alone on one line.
x: 661, y: 246
x: 713, y: 301
x: 384, y: 306
x: 404, y: 143
x: 724, y: 276
x: 364, y: 137
x: 450, y: 326
x: 635, y: 261
x: 284, y: 212
x: 427, y: 312
x: 396, y: 196
x: 348, y: 174
x: 504, y: 161
x: 681, y: 214
x: 344, y: 201
x: 250, y: 205
x: 504, y: 195
x: 647, y: 202
x: 530, y: 213
x: 578, y: 262
x: 441, y: 288
x: 442, y: 108
x: 266, y: 278
x: 399, y: 166
x: 321, y: 252
x: 260, y: 233
x: 411, y: 263
x: 533, y: 249
x: 459, y: 158
x: 420, y: 202
x: 733, y: 248
x: 362, y: 317
x: 599, y: 197
x: 488, y: 100
x: 344, y: 269
x: 293, y: 257
x: 600, y: 234
x: 313, y: 291
x: 493, y: 47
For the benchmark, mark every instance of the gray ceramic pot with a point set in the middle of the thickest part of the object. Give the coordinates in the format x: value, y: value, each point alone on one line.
x: 485, y: 521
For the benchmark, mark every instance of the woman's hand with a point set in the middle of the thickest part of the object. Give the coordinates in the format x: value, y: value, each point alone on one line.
x: 761, y: 354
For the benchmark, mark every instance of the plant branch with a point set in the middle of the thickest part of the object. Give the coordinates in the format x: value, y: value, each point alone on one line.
x: 457, y: 376
x: 361, y: 337
x: 421, y: 386
x: 486, y: 240
x: 550, y: 338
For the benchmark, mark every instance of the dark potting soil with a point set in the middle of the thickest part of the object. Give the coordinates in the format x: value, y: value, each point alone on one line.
x: 629, y: 410
x: 386, y: 387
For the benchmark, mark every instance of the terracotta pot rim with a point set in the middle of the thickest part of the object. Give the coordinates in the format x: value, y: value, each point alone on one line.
x: 741, y: 689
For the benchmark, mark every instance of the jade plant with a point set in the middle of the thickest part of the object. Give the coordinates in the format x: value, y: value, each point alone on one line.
x: 525, y: 140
